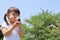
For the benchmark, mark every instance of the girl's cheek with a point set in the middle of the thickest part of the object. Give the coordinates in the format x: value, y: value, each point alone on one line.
x: 12, y: 18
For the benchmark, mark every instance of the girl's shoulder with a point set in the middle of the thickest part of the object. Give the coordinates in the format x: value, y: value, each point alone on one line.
x: 4, y: 24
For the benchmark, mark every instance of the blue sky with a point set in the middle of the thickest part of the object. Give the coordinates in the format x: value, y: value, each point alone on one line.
x: 28, y: 7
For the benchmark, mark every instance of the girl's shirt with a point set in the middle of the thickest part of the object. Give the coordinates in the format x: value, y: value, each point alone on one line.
x: 14, y: 35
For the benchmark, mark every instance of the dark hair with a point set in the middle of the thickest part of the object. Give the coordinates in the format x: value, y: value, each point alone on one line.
x: 10, y: 10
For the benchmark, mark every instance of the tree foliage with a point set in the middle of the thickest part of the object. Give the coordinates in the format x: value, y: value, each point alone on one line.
x: 45, y: 26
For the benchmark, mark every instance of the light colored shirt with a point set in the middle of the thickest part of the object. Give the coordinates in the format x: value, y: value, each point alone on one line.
x: 14, y: 35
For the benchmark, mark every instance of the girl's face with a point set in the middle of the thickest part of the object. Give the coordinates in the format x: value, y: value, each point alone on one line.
x: 12, y: 16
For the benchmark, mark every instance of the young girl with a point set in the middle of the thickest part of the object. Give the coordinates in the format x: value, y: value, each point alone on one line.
x: 11, y: 28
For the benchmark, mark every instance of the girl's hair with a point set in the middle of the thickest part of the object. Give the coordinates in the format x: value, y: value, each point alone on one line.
x: 10, y: 10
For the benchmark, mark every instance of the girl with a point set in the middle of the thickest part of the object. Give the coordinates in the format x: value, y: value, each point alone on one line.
x: 11, y: 28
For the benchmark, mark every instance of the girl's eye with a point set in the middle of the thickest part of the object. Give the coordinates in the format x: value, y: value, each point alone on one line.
x: 13, y: 14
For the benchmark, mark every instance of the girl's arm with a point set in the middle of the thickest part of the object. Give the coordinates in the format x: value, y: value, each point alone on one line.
x: 21, y: 32
x: 7, y: 32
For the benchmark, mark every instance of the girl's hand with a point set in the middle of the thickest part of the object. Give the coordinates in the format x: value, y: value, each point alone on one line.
x: 17, y: 23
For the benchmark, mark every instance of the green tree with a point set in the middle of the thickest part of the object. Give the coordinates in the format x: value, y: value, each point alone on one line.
x: 45, y: 26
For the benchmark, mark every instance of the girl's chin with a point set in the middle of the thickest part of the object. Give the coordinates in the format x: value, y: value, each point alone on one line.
x: 12, y: 21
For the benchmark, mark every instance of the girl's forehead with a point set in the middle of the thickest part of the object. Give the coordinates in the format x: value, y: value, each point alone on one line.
x: 13, y: 13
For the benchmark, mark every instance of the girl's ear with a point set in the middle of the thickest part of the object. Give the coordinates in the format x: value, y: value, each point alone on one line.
x: 7, y: 15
